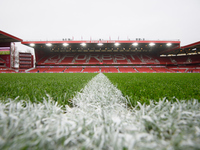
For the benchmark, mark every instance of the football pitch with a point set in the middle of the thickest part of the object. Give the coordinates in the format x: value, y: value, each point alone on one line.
x: 34, y: 87
x: 143, y: 87
x: 100, y: 111
x: 140, y: 87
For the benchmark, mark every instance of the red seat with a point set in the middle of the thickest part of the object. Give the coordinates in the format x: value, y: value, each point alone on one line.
x: 127, y: 69
x: 109, y: 69
x: 73, y: 70
x: 144, y: 70
x: 91, y: 70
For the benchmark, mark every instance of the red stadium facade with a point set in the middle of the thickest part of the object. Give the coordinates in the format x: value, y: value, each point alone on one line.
x: 5, y: 51
x: 115, y: 56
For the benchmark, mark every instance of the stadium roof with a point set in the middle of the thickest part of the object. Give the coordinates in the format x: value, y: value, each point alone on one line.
x: 105, y: 45
x: 193, y: 45
x: 5, y: 37
x: 139, y: 45
x: 193, y: 48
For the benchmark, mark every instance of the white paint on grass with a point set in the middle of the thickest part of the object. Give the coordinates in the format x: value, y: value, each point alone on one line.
x: 100, y: 119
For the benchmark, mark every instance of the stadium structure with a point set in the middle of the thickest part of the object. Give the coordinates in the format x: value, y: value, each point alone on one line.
x: 106, y: 56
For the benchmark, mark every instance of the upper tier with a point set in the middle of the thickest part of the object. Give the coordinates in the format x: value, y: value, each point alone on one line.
x: 113, y: 58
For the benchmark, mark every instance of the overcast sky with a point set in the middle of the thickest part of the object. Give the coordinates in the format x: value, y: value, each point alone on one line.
x: 57, y: 19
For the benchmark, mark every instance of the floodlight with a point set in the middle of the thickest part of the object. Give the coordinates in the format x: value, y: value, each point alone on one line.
x: 194, y: 49
x: 117, y: 44
x: 32, y: 44
x: 100, y: 44
x: 83, y: 44
x: 151, y: 44
x: 169, y: 44
x: 135, y: 44
x: 49, y: 44
x: 65, y: 44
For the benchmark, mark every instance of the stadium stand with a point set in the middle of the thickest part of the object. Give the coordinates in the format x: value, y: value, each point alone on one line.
x: 133, y: 59
x: 127, y: 69
x: 191, y: 68
x: 55, y: 70
x: 80, y: 59
x: 182, y: 59
x: 33, y: 70
x: 164, y: 60
x: 4, y: 69
x: 73, y: 70
x: 109, y: 70
x: 67, y: 59
x: 91, y: 70
x: 94, y: 59
x: 145, y: 69
x: 39, y: 70
x: 195, y: 59
x: 129, y: 62
x: 107, y: 58
x: 161, y: 69
x: 177, y: 69
x: 111, y: 56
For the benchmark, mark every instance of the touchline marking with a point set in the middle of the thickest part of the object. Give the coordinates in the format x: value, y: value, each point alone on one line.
x: 100, y: 120
x: 105, y: 107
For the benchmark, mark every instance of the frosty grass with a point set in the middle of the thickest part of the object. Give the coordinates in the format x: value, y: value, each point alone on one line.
x: 100, y: 119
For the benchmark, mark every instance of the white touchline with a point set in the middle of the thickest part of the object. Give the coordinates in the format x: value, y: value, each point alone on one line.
x: 100, y: 119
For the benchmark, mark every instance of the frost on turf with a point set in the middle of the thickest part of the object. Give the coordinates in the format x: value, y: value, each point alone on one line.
x: 100, y: 119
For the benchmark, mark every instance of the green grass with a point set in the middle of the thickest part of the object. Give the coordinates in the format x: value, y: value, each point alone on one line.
x: 101, y: 120
x: 145, y: 86
x: 60, y: 86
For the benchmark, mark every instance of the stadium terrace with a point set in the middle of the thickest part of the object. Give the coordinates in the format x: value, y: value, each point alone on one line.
x: 70, y: 56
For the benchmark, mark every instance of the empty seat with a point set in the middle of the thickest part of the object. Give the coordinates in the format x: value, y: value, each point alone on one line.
x: 91, y: 70
x: 144, y: 70
x: 161, y: 69
x: 55, y: 70
x: 39, y: 70
x: 73, y: 70
x: 127, y: 69
x: 109, y: 69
